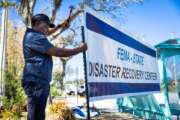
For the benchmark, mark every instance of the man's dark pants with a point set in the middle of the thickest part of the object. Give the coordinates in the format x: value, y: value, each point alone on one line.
x: 37, y: 95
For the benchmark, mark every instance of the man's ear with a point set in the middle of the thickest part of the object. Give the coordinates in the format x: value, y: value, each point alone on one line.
x: 37, y: 23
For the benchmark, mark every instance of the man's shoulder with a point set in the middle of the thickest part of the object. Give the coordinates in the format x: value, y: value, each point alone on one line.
x: 33, y: 35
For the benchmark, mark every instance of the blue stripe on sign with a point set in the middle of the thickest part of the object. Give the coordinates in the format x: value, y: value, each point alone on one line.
x: 102, y: 89
x: 103, y: 28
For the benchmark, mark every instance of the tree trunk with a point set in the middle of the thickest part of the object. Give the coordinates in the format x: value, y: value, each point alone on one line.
x: 64, y: 62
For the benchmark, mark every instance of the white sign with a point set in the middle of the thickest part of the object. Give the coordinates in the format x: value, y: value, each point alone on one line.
x: 117, y: 64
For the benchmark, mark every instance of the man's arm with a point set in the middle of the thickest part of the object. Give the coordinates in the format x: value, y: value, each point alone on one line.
x: 64, y: 52
x: 66, y: 23
x: 63, y: 25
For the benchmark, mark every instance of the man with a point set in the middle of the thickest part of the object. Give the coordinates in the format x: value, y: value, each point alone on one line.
x: 38, y: 52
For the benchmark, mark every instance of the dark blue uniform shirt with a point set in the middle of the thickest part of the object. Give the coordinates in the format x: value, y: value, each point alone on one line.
x: 38, y: 64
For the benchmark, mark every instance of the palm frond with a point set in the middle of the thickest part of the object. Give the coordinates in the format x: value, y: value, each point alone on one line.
x: 56, y: 6
x: 25, y: 9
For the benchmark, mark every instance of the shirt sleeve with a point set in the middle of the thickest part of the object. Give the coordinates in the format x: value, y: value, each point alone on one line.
x: 40, y: 44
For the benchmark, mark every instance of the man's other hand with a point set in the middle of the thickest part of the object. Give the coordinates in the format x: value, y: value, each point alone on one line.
x: 83, y: 47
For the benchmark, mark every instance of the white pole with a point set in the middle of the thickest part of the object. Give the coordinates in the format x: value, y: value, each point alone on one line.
x: 3, y: 46
x: 77, y: 83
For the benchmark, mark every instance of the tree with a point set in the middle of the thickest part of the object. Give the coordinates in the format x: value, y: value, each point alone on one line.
x: 14, y: 97
x: 110, y: 7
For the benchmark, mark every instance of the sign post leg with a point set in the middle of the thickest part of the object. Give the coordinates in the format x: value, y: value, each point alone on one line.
x: 85, y: 70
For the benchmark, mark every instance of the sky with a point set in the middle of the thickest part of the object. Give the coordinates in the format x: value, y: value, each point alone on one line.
x: 154, y: 21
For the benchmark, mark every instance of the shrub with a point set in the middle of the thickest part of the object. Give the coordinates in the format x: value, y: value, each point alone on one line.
x: 60, y: 111
x: 14, y: 98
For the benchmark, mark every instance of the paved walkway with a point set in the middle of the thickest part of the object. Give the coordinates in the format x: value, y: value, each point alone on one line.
x: 115, y: 116
x: 103, y: 116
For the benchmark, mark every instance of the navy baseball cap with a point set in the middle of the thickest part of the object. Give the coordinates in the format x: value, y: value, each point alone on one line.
x: 42, y: 17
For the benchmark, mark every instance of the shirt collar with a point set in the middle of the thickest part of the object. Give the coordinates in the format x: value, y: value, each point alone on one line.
x: 31, y: 30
